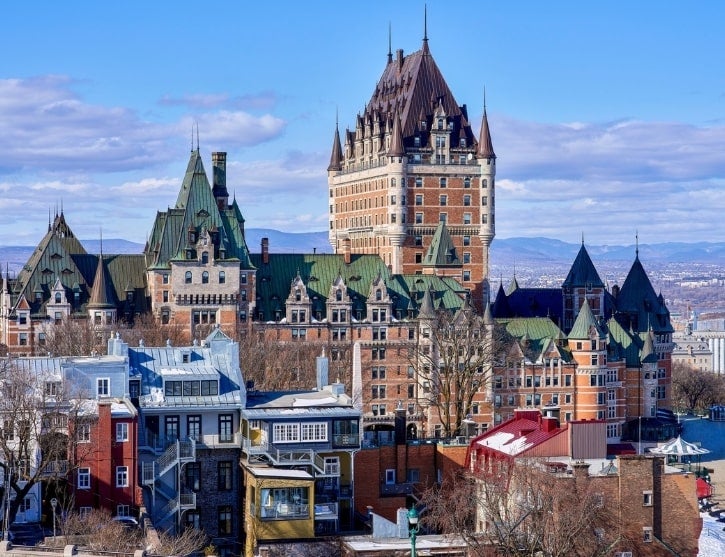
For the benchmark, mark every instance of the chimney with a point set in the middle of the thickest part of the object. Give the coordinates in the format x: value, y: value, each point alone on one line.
x: 346, y: 249
x: 399, y: 57
x: 219, y: 179
x: 549, y: 424
x: 400, y: 436
x: 323, y: 371
x: 265, y: 251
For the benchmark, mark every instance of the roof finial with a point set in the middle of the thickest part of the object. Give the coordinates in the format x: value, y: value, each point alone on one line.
x: 425, y: 27
x: 636, y: 243
x: 49, y: 218
x: 100, y: 232
x: 192, y: 138
x: 582, y: 238
x: 390, y: 42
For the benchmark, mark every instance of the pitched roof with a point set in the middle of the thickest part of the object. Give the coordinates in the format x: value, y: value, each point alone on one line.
x: 196, y: 210
x: 485, y: 145
x: 413, y: 86
x: 336, y: 155
x: 585, y: 323
x: 518, y: 435
x: 319, y: 271
x: 638, y: 306
x: 442, y: 250
x: 583, y: 272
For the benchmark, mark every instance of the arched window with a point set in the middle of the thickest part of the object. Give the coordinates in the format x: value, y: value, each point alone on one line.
x: 298, y: 295
x: 205, y: 277
x: 205, y: 257
x: 187, y: 277
x: 58, y: 298
x: 338, y: 295
x: 222, y: 277
x: 378, y: 294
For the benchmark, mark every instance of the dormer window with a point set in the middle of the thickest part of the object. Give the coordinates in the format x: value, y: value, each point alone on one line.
x: 204, y: 257
x: 440, y: 123
x: 416, y: 141
x: 192, y: 236
x: 298, y: 295
x: 338, y: 295
x: 378, y: 294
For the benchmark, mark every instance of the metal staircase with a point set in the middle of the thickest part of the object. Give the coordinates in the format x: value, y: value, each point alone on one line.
x: 154, y: 473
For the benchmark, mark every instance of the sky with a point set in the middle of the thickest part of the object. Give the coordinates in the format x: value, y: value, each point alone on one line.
x: 606, y: 117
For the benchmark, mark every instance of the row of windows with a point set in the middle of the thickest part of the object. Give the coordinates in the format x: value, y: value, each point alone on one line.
x: 84, y: 477
x: 443, y: 217
x: 443, y: 200
x: 225, y: 475
x: 188, y: 277
x: 299, y: 432
x: 191, y: 388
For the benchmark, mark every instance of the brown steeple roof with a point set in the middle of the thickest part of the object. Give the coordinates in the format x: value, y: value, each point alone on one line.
x: 336, y: 156
x: 102, y: 292
x: 485, y: 145
x: 413, y: 86
x: 396, y: 143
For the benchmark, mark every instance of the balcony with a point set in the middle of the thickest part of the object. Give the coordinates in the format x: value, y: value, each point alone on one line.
x: 346, y: 440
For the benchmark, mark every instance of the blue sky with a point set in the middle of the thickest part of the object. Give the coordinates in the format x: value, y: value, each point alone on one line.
x: 607, y: 118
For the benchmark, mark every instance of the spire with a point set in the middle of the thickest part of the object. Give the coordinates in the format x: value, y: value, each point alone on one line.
x: 485, y: 145
x: 101, y: 296
x: 425, y: 28
x: 427, y: 309
x: 396, y: 142
x: 336, y: 156
x: 390, y: 43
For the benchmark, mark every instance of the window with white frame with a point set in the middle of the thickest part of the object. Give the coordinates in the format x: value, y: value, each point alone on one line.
x: 390, y: 476
x: 121, y: 432
x: 103, y: 386
x: 286, y: 433
x: 647, y: 498
x: 316, y: 431
x: 647, y: 534
x: 84, y: 511
x: 84, y: 478
x: 121, y: 476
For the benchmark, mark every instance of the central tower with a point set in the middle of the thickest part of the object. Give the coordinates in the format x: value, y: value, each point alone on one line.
x: 411, y: 166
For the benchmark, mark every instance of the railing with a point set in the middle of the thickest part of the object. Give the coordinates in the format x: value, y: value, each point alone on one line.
x: 396, y: 489
x: 285, y: 511
x: 345, y: 440
x: 221, y: 440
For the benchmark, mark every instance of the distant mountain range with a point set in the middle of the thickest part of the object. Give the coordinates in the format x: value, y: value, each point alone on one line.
x: 505, y: 253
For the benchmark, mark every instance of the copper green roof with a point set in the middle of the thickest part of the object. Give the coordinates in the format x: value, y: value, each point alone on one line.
x: 319, y: 271
x: 196, y: 211
x: 583, y: 272
x: 585, y: 322
x: 442, y: 251
x: 61, y: 257
x: 538, y: 332
x: 623, y: 344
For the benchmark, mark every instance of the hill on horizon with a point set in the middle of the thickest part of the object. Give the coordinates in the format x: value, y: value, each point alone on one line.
x: 505, y: 252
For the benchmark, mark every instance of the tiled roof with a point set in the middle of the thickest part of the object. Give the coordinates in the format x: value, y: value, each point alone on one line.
x: 538, y: 333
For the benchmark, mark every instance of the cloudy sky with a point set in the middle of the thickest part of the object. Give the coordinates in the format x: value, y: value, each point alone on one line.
x: 607, y: 117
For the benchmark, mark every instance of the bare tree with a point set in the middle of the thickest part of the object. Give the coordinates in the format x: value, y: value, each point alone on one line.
x: 148, y: 329
x: 189, y: 541
x: 521, y: 509
x: 36, y: 409
x: 74, y: 337
x: 695, y: 390
x: 453, y: 362
x: 97, y: 531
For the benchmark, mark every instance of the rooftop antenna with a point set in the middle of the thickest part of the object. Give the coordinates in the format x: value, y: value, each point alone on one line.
x: 197, y: 136
x: 582, y: 238
x: 49, y: 218
x: 192, y: 138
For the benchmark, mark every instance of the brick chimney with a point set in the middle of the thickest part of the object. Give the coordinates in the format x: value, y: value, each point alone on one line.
x: 346, y: 250
x: 265, y: 250
x: 219, y: 178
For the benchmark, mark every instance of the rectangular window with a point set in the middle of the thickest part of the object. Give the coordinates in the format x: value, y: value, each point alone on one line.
x: 165, y: 278
x: 121, y: 432
x: 286, y: 433
x: 466, y: 200
x: 443, y: 200
x: 226, y: 434
x: 121, y: 476
x: 103, y: 386
x: 314, y: 432
x: 466, y: 218
x: 419, y: 199
x: 443, y: 182
x: 647, y: 534
x: 443, y: 217
x: 390, y: 476
x: 466, y: 240
x: 225, y: 520
x: 165, y: 296
x: 419, y: 218
x: 84, y: 478
x: 224, y: 475
x: 192, y: 471
x: 646, y: 498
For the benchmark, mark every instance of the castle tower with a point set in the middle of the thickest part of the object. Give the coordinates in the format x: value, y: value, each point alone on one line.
x: 411, y: 162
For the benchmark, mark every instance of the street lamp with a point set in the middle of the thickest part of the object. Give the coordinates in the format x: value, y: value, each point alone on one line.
x: 413, y: 528
x: 54, y: 504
